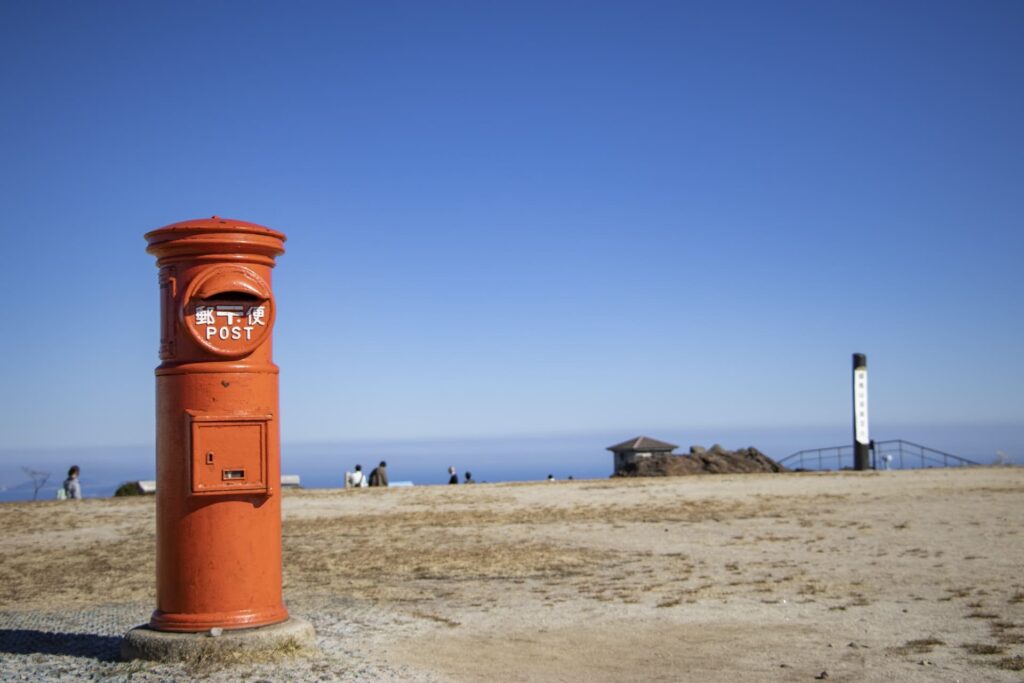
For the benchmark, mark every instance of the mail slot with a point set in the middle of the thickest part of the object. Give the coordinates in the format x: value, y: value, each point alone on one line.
x: 229, y: 455
x: 218, y: 507
x: 228, y: 310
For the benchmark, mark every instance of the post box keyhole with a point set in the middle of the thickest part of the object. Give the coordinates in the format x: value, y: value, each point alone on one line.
x: 209, y: 457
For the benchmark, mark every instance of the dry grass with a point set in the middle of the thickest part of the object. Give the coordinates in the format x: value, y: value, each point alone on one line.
x: 983, y: 649
x: 207, y: 661
x: 404, y: 554
x: 450, y: 623
x: 429, y: 556
x: 1011, y: 663
x: 70, y: 571
x: 917, y: 647
x: 1007, y: 632
x: 458, y: 563
x: 488, y: 511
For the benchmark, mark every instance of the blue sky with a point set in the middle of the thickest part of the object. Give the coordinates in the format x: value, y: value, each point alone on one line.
x: 514, y: 218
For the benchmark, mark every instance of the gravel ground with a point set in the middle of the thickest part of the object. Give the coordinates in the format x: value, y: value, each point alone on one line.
x: 83, y: 644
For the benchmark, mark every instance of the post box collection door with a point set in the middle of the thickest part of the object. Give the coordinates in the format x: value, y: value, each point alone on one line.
x: 218, y: 444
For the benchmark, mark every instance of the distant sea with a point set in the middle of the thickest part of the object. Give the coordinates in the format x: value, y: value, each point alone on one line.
x: 491, y: 459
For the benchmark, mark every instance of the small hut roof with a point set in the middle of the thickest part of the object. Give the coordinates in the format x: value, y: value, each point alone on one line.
x: 643, y: 443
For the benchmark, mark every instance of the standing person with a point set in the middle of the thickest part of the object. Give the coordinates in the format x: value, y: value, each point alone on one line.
x: 453, y: 476
x: 355, y: 479
x: 469, y: 478
x: 72, y: 487
x: 379, y: 475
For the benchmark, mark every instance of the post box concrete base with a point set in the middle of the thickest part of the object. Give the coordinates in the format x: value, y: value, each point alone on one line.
x: 286, y: 638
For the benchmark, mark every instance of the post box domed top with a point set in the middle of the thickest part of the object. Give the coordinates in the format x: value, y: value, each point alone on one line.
x: 215, y: 238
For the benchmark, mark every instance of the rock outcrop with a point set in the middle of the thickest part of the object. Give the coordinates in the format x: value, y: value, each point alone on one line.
x: 714, y: 460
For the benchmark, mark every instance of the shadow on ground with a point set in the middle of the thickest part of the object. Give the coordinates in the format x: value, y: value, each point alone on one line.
x: 29, y: 642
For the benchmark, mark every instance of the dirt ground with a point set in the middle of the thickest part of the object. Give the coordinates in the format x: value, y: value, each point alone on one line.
x: 911, y: 575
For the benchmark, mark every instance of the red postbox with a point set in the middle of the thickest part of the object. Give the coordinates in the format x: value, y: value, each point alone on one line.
x: 218, y: 503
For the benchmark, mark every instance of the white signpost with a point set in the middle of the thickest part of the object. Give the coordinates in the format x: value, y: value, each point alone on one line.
x: 860, y: 406
x: 861, y: 435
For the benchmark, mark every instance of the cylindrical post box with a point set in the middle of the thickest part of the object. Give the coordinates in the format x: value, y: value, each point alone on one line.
x: 218, y: 503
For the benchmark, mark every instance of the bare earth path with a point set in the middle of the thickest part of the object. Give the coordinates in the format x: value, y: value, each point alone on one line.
x: 866, y: 576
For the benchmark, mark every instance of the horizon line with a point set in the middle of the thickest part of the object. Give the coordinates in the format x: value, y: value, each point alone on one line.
x: 645, y: 431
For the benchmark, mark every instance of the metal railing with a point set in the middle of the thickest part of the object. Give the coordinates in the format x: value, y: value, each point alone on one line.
x: 896, y: 454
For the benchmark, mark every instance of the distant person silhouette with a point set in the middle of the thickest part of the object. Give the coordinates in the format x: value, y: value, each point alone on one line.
x: 355, y: 479
x: 551, y: 477
x: 469, y: 478
x: 72, y: 487
x: 379, y: 475
x: 453, y: 476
